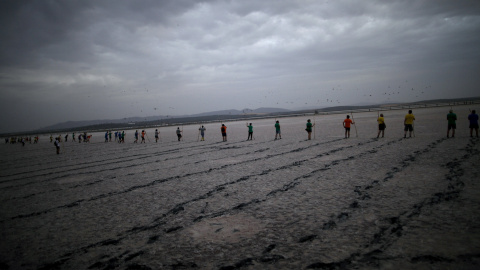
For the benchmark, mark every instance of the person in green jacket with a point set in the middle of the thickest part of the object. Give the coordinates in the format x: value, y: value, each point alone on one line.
x: 250, y: 132
x: 277, y: 130
x: 451, y: 118
x: 309, y: 129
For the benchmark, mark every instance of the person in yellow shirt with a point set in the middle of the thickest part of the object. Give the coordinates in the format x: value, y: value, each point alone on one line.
x: 408, y: 122
x: 381, y: 125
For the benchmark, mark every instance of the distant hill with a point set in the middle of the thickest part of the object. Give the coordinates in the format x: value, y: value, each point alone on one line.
x: 244, y: 111
x: 224, y: 115
x: 269, y: 110
x: 77, y: 124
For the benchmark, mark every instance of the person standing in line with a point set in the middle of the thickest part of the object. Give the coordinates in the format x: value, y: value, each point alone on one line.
x: 66, y: 138
x: 57, y: 145
x: 309, y: 129
x: 73, y: 136
x: 157, y: 134
x: 110, y: 136
x: 347, y: 124
x: 136, y: 136
x: 79, y: 138
x: 250, y: 132
x: 277, y: 130
x: 451, y: 118
x: 202, y: 132
x: 143, y: 137
x: 223, y: 129
x: 473, y: 117
x: 381, y: 125
x: 179, y: 134
x: 408, y: 122
x: 116, y: 135
x: 123, y: 136
x: 106, y: 136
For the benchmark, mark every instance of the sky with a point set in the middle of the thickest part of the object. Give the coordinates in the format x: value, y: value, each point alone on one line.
x: 88, y: 59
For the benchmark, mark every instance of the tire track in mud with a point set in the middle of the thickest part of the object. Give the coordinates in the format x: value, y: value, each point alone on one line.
x: 296, y: 181
x: 391, y: 228
x: 404, y: 164
x: 143, y: 155
x: 115, y: 151
x: 104, y: 151
x: 109, y: 162
x: 118, y: 168
x: 266, y: 257
x: 28, y: 155
x: 45, y: 164
x: 161, y: 220
x: 394, y: 225
x: 95, y: 163
x: 186, y: 146
x: 363, y: 194
x: 128, y: 166
x: 159, y: 181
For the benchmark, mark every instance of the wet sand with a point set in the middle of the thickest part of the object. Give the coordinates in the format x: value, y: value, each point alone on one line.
x: 328, y: 203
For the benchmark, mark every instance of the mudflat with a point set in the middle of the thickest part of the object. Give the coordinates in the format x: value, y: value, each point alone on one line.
x: 325, y: 203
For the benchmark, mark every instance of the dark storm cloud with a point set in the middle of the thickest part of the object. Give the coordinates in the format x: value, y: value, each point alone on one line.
x: 67, y: 30
x: 76, y: 60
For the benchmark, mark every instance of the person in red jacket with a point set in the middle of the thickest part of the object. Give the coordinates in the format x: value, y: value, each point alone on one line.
x: 223, y: 129
x: 143, y: 136
x: 346, y: 124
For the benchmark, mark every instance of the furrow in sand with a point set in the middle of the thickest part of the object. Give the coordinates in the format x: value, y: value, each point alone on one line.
x: 155, y: 182
x: 88, y: 166
x: 391, y: 229
x: 98, y: 160
x: 96, y: 152
x: 179, y: 208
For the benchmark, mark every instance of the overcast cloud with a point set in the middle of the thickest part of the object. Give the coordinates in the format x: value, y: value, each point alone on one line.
x: 85, y: 60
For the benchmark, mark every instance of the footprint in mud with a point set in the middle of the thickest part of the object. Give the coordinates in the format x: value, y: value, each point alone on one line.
x: 329, y: 225
x: 307, y: 238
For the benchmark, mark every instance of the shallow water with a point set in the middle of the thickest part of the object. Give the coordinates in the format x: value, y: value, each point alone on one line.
x: 328, y: 203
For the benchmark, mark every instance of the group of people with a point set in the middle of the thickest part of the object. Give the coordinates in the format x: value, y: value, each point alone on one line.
x: 223, y: 130
x: 408, y: 128
x: 473, y: 123
x: 22, y: 140
x: 408, y: 124
x: 451, y: 126
x: 81, y: 137
x: 144, y: 134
